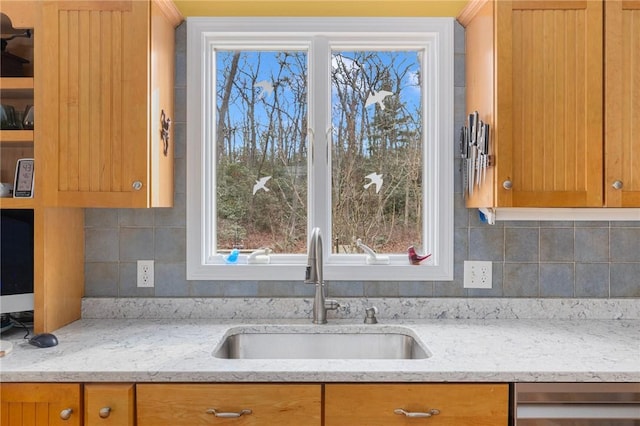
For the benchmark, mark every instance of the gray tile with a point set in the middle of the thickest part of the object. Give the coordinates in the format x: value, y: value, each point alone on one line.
x: 557, y: 224
x: 380, y: 289
x: 175, y: 216
x: 101, y: 245
x: 459, y: 106
x: 136, y: 244
x: 180, y: 175
x: 522, y: 244
x: 180, y: 71
x: 170, y: 245
x: 460, y: 245
x: 453, y: 288
x: 521, y: 223
x: 344, y: 289
x: 275, y: 288
x: 591, y: 224
x: 557, y: 280
x: 625, y: 280
x: 592, y: 279
x: 624, y: 224
x: 180, y: 138
x: 170, y: 279
x: 592, y: 245
x: 520, y: 280
x: 415, y: 289
x: 128, y: 286
x: 205, y: 289
x: 101, y: 279
x: 459, y: 70
x: 135, y: 217
x: 181, y: 37
x: 458, y: 38
x: 180, y: 105
x: 100, y: 218
x: 239, y: 288
x: 625, y: 244
x: 556, y: 244
x: 486, y: 243
x: 301, y: 289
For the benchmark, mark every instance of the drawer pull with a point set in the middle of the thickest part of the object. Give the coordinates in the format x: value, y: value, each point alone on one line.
x: 104, y: 412
x: 416, y: 414
x: 228, y: 415
x: 66, y: 414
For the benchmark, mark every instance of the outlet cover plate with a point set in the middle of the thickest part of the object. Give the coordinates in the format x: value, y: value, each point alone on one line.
x: 477, y: 274
x: 145, y: 273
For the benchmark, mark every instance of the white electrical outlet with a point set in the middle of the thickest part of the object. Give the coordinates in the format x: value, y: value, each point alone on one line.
x: 477, y: 274
x: 145, y: 273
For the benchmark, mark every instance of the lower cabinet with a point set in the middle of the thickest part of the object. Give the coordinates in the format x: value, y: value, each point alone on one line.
x: 109, y: 404
x: 40, y: 404
x: 403, y: 404
x: 242, y: 405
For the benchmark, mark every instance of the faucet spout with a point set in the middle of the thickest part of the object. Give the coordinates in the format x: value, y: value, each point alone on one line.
x: 314, y: 276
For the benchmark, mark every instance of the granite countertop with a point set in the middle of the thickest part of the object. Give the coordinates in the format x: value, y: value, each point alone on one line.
x: 462, y: 350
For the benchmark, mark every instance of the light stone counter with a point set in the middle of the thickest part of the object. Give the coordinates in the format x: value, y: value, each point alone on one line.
x: 179, y: 349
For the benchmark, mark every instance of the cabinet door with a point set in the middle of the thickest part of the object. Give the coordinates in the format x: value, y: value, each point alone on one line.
x: 109, y: 405
x: 193, y: 405
x: 98, y: 97
x: 39, y: 404
x: 456, y: 404
x: 549, y: 103
x: 622, y: 103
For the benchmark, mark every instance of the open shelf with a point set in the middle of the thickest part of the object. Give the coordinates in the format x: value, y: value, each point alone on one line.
x: 15, y: 137
x: 17, y: 203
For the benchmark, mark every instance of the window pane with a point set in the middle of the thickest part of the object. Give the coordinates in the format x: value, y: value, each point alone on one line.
x: 261, y: 132
x: 376, y: 150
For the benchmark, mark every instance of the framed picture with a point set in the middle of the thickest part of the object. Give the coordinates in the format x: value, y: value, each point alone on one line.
x: 23, y: 183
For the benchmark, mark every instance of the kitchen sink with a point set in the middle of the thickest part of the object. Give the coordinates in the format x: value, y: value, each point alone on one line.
x: 283, y: 343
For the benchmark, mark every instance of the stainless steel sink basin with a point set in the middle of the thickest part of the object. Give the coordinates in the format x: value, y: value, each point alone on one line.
x: 305, y: 344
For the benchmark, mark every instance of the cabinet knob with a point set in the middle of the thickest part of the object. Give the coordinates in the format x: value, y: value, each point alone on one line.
x: 617, y: 184
x: 228, y: 415
x: 66, y: 413
x: 416, y: 414
x: 104, y: 412
x: 507, y: 184
x: 137, y: 185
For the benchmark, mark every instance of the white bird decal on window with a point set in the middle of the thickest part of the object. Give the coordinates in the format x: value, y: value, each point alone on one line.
x: 375, y: 179
x: 260, y: 184
x: 266, y: 86
x: 377, y: 97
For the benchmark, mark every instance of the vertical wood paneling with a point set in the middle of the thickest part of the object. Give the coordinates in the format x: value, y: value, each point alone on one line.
x: 116, y: 104
x: 81, y: 177
x: 95, y: 95
x: 622, y: 106
x: 29, y: 414
x: 65, y: 101
x: 556, y: 85
x: 73, y: 141
x: 105, y: 106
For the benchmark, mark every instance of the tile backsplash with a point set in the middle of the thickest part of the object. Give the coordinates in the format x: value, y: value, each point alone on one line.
x: 530, y: 259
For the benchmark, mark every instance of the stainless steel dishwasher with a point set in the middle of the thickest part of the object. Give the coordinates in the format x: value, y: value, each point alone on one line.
x: 576, y: 404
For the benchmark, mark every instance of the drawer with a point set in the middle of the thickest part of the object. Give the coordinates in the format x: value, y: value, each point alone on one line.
x: 109, y: 404
x: 376, y: 404
x: 192, y: 404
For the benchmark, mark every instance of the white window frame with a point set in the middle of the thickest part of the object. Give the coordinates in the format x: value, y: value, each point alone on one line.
x: 433, y: 35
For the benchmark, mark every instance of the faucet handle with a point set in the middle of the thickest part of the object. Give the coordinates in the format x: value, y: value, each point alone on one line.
x: 370, y: 315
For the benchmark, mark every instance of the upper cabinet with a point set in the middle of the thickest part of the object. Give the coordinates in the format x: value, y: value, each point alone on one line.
x: 540, y: 72
x: 108, y: 95
x: 622, y: 103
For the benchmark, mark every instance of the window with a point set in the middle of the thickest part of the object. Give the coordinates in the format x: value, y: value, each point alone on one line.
x: 345, y: 124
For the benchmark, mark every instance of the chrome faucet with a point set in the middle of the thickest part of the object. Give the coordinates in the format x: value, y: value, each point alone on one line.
x: 314, y: 276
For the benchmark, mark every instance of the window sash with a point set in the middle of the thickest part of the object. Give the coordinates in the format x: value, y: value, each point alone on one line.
x: 320, y: 37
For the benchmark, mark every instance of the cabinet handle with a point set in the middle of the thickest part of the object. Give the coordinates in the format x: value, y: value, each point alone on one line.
x: 228, y: 415
x: 416, y: 414
x: 104, y: 412
x: 66, y: 413
x: 164, y: 132
x: 507, y: 184
x: 617, y: 184
x: 136, y: 185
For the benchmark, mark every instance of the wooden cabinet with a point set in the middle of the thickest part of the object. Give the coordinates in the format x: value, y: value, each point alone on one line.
x: 564, y: 125
x: 109, y: 404
x: 39, y: 404
x: 251, y: 404
x: 108, y: 85
x: 622, y: 103
x: 58, y: 232
x: 393, y: 404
